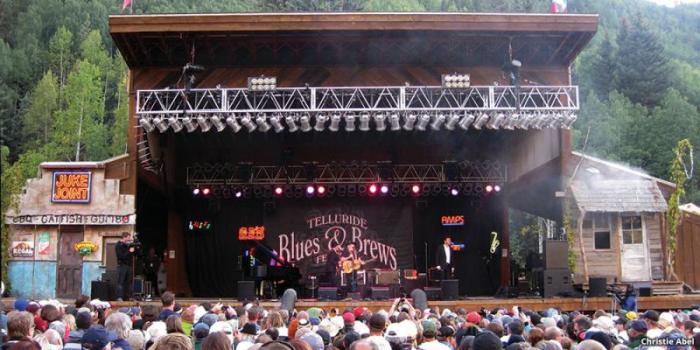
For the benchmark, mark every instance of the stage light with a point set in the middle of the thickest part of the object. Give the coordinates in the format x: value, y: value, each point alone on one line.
x: 175, y: 124
x: 488, y: 188
x: 379, y: 121
x: 466, y: 121
x: 278, y: 191
x: 350, y: 122
x: 455, y: 81
x: 364, y: 122
x: 497, y: 188
x: 233, y: 124
x: 218, y: 124
x: 275, y: 121
x: 335, y: 122
x: 394, y: 121
x: 525, y: 120
x: 415, y: 189
x: 510, y: 121
x: 161, y: 123
x: 310, y: 190
x: 321, y: 120
x: 569, y: 120
x: 480, y: 121
x: 321, y: 190
x: 238, y: 194
x: 291, y: 124
x: 248, y: 123
x: 452, y: 121
x: 558, y: 120
x: 384, y: 189
x: 196, y: 191
x: 373, y: 189
x: 262, y: 83
x: 423, y: 122
x: 437, y: 122
x: 206, y: 191
x: 409, y: 122
x: 262, y: 123
x: 189, y: 124
x: 146, y: 124
x: 204, y: 124
x: 304, y: 121
x: 496, y: 121
x: 454, y: 191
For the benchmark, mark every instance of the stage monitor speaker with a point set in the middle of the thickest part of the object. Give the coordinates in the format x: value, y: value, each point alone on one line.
x: 289, y: 298
x: 506, y: 292
x: 644, y: 291
x: 557, y: 282
x: 379, y: 293
x: 556, y: 254
x: 388, y: 277
x: 328, y: 293
x: 597, y: 286
x: 450, y: 289
x: 101, y: 290
x: 433, y: 293
x: 420, y: 299
x: 355, y: 295
x: 246, y: 290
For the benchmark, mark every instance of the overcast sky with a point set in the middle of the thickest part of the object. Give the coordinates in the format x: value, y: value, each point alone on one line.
x: 672, y: 3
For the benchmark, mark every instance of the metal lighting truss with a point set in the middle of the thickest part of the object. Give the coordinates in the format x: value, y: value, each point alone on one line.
x: 247, y: 174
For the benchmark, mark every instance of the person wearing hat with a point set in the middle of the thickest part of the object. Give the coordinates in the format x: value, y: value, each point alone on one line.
x: 314, y: 340
x: 637, y: 331
x: 377, y: 324
x: 429, y: 337
x: 651, y: 317
x: 486, y: 340
x: 620, y: 330
x: 469, y: 327
x: 348, y: 323
x: 248, y: 332
x: 98, y: 338
x: 446, y: 336
x: 199, y: 332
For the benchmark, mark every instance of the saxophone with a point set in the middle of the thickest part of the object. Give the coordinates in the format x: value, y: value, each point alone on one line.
x: 494, y: 242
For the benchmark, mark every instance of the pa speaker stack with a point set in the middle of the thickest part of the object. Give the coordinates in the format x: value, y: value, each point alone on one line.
x: 597, y: 286
x: 246, y: 290
x: 328, y: 293
x: 557, y: 278
x: 450, y: 289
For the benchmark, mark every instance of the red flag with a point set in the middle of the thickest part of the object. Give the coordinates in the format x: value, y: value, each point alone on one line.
x: 126, y: 4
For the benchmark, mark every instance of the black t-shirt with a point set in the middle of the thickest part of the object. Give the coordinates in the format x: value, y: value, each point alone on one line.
x: 123, y: 253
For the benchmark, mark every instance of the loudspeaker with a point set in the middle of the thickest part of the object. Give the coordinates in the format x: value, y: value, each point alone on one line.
x: 328, y: 293
x: 101, y: 290
x: 556, y: 254
x: 450, y: 289
x: 433, y: 293
x: 556, y: 282
x: 597, y: 286
x: 289, y: 298
x: 410, y: 285
x: 506, y: 292
x: 644, y: 291
x: 379, y: 293
x: 388, y: 277
x: 246, y: 290
x: 420, y: 300
x: 355, y: 295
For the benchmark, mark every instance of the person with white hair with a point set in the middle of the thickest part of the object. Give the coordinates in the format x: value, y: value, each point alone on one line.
x: 50, y: 340
x: 119, y: 324
x: 223, y: 327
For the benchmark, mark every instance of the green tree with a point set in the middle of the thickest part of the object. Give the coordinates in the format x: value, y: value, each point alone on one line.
x: 37, y: 120
x: 60, y: 53
x: 314, y: 5
x: 603, y: 67
x: 121, y: 120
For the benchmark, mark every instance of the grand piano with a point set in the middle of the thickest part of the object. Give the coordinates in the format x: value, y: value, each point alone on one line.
x: 270, y: 267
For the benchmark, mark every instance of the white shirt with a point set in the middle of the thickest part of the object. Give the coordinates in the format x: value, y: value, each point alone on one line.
x: 433, y: 345
x: 448, y: 256
x: 379, y: 342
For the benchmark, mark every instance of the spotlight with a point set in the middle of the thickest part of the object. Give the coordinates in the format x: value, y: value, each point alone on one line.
x: 350, y: 122
x: 204, y: 124
x: 569, y: 120
x: 310, y: 190
x: 175, y: 124
x: 262, y: 83
x: 161, y: 123
x: 195, y: 191
x: 415, y: 189
x: 206, y: 191
x: 335, y: 122
x: 394, y: 121
x: 466, y: 121
x: 409, y: 122
x: 455, y: 81
x: 291, y: 124
x: 232, y: 123
x: 437, y: 122
x: 278, y: 191
x: 218, y: 124
x: 321, y: 120
x: 364, y: 122
x: 146, y: 124
x: 384, y: 189
x: 275, y: 121
x: 489, y: 188
x: 238, y: 194
x: 497, y: 188
x: 304, y: 120
x: 511, y: 120
x: 321, y: 190
x: 248, y: 123
x: 480, y: 121
x: 423, y: 122
x: 373, y: 189
x: 496, y: 121
x: 454, y: 191
x: 379, y: 121
x: 189, y: 124
x: 262, y: 123
x: 452, y: 121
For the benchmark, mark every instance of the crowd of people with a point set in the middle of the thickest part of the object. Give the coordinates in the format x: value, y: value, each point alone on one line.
x: 94, y: 324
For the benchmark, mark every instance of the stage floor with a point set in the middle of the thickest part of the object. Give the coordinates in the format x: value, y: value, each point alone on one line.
x: 471, y: 304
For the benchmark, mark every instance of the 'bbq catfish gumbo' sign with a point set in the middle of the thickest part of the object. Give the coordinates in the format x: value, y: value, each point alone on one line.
x: 71, y: 187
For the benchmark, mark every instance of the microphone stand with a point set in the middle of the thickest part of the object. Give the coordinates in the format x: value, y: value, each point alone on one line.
x: 426, y: 259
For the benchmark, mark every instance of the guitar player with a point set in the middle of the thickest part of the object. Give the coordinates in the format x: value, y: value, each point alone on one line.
x: 351, y: 255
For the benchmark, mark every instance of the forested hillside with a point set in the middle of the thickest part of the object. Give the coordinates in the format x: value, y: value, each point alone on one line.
x: 62, y: 83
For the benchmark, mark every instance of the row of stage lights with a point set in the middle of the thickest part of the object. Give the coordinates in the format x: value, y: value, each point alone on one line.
x: 349, y: 190
x: 382, y: 121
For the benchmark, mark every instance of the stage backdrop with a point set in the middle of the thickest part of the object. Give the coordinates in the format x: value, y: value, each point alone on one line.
x: 304, y: 232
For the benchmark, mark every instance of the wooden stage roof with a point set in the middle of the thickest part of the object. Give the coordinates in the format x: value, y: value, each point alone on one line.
x: 350, y: 38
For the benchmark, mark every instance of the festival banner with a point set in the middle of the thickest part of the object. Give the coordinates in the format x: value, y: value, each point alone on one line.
x: 304, y: 233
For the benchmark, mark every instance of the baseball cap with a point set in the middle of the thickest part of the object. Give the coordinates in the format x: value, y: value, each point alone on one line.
x: 350, y: 337
x: 97, y: 337
x: 446, y: 331
x: 358, y: 311
x: 639, y: 326
x: 348, y: 318
x: 651, y: 315
x: 200, y: 330
x: 473, y: 317
x: 314, y: 340
x: 429, y: 329
x: 324, y: 335
x: 250, y: 329
x: 487, y: 340
x: 377, y: 321
x: 21, y: 304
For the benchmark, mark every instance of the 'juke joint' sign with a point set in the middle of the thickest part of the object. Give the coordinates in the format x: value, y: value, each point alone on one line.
x: 71, y: 187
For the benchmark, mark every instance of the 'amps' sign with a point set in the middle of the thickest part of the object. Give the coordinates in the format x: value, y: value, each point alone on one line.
x: 71, y: 187
x: 452, y: 220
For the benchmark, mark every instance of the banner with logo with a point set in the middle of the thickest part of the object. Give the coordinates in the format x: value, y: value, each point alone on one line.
x: 304, y: 233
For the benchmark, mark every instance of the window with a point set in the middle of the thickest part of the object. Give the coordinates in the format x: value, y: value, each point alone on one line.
x: 632, y: 230
x: 601, y: 231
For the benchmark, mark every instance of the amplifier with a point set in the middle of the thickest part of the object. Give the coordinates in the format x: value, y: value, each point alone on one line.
x: 388, y: 277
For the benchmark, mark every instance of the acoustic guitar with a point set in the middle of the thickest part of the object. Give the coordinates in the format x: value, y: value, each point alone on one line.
x: 349, y: 266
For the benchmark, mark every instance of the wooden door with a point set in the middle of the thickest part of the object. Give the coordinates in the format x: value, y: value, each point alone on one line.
x: 70, y: 264
x: 635, y: 260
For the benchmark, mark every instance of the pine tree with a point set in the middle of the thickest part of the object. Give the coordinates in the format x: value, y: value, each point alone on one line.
x: 603, y: 68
